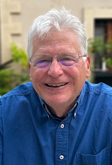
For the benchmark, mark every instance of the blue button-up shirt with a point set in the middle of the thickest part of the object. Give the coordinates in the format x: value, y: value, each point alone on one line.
x: 30, y: 135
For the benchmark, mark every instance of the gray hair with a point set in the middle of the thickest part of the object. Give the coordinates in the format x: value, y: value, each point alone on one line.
x: 60, y: 20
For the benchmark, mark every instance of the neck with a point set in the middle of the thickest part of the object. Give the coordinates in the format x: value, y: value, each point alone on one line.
x: 60, y: 111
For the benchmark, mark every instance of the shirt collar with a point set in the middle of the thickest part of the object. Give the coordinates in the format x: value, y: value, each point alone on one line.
x: 49, y: 114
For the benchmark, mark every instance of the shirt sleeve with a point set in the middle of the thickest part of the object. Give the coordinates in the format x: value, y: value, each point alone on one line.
x: 1, y: 136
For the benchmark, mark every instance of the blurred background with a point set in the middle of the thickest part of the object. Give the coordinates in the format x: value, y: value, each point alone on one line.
x: 16, y: 17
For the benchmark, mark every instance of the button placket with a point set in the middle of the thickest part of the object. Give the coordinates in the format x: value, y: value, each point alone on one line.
x: 62, y: 144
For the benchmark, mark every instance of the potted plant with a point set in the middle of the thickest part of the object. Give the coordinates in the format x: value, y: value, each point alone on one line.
x: 109, y: 63
x: 101, y: 51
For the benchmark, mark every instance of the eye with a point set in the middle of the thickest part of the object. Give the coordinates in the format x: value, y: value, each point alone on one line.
x: 43, y: 61
x: 66, y: 59
x: 39, y: 61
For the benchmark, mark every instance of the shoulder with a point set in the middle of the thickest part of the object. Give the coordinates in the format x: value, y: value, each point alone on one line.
x: 23, y: 89
x: 21, y: 99
x: 99, y: 99
x: 99, y: 94
x: 24, y: 93
x: 98, y: 89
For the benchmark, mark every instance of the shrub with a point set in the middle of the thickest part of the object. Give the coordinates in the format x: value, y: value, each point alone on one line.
x: 9, y: 79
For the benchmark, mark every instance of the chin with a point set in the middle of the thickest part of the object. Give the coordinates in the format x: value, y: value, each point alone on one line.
x: 56, y: 100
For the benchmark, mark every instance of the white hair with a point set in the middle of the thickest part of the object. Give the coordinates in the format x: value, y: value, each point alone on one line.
x: 59, y: 20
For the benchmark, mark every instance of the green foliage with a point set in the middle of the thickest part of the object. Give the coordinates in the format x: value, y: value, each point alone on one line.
x: 100, y: 47
x: 109, y: 62
x: 101, y: 51
x: 9, y: 79
x: 19, y: 55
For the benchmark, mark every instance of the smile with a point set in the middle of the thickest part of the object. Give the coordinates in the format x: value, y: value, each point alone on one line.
x: 56, y: 85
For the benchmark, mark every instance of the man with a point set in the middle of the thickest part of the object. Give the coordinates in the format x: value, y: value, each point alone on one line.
x: 59, y: 118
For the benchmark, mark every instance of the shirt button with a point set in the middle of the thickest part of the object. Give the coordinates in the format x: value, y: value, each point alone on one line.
x: 75, y: 114
x: 62, y: 126
x: 61, y: 157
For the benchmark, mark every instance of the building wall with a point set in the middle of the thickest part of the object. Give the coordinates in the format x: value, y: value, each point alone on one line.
x: 17, y: 16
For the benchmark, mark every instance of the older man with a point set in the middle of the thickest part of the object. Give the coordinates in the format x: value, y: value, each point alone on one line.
x: 58, y: 118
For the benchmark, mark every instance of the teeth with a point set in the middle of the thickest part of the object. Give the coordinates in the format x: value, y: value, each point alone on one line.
x: 55, y: 85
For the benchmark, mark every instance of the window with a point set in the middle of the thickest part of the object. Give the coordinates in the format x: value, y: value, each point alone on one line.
x: 103, y: 29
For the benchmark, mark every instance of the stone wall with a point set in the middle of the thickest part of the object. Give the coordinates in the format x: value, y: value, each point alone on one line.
x: 8, y: 27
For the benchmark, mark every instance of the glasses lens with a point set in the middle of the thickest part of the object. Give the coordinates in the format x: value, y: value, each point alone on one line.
x: 41, y: 61
x: 68, y: 59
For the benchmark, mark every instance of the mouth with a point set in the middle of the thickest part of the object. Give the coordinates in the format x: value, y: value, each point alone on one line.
x: 56, y: 85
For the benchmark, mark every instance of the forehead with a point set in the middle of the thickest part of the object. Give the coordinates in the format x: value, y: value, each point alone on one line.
x: 56, y: 40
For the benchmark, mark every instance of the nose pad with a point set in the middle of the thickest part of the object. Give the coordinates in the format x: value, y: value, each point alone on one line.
x: 55, y: 69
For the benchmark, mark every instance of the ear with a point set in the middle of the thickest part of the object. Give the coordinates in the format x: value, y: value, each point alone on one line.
x: 29, y: 66
x: 30, y: 72
x: 88, y: 62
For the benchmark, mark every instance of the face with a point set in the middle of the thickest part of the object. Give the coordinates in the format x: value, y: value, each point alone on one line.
x: 59, y: 85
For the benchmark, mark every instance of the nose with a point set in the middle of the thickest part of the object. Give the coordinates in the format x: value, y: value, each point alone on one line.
x: 55, y: 69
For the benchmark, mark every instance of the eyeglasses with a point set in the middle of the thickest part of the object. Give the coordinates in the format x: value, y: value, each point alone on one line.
x: 45, y: 60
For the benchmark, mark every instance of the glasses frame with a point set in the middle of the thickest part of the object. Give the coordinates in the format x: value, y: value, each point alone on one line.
x: 52, y: 57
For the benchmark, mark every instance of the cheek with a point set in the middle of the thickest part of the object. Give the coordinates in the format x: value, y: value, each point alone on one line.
x: 72, y: 74
x: 36, y: 76
x: 78, y: 73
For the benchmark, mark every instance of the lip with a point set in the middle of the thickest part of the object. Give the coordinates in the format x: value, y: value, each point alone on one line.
x: 56, y: 85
